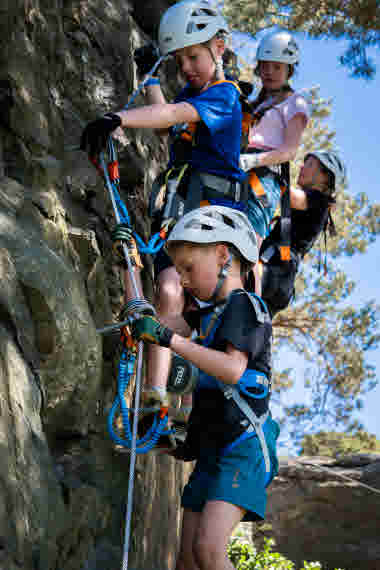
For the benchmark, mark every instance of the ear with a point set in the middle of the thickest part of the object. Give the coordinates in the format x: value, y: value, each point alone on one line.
x: 222, y: 253
x: 220, y: 46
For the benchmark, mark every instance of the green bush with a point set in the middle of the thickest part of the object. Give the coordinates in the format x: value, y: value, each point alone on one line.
x: 245, y: 557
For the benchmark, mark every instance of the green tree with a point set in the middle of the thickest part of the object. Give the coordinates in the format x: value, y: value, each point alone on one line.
x: 334, y: 444
x: 357, y: 21
x: 244, y: 556
x: 332, y: 336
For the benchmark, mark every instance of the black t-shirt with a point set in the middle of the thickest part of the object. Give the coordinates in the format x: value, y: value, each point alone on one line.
x: 306, y: 225
x: 216, y: 421
x: 240, y: 326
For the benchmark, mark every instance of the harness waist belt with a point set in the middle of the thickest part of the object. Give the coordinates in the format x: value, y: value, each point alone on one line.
x: 222, y: 185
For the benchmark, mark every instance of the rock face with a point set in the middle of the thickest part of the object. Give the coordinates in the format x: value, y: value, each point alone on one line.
x: 63, y: 485
x: 316, y: 513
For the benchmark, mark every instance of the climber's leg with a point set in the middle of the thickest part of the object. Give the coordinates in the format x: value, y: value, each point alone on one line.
x: 190, y: 523
x: 217, y: 521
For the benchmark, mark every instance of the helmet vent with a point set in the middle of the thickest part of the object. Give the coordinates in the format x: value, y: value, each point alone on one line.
x: 193, y: 27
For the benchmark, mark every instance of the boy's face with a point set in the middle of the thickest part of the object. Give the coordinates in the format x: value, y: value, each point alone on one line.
x: 198, y: 268
x: 196, y: 64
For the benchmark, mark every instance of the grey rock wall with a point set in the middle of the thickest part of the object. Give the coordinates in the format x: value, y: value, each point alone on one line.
x: 318, y: 511
x: 63, y: 484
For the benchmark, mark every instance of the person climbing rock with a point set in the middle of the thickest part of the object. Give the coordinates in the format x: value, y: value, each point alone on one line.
x: 204, y: 127
x: 279, y: 116
x: 231, y: 432
x: 310, y: 204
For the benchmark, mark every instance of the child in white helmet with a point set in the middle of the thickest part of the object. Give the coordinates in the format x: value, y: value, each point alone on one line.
x: 211, y: 248
x: 207, y: 110
x: 279, y: 117
x: 310, y: 204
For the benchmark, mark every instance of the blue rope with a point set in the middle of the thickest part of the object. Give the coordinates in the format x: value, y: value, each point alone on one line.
x: 156, y: 242
x: 159, y: 426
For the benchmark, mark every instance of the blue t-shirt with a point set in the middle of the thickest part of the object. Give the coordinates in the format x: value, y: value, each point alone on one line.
x: 218, y: 134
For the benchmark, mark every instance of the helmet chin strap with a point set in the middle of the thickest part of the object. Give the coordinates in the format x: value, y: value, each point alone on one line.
x: 221, y: 278
x: 218, y: 64
x: 218, y: 67
x: 281, y: 89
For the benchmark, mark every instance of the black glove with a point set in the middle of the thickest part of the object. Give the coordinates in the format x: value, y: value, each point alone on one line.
x: 95, y: 135
x: 145, y: 58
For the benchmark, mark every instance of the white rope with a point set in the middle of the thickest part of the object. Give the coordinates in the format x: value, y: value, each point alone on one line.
x: 128, y: 518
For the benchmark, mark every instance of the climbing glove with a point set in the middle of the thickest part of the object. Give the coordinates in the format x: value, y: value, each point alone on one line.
x: 145, y: 57
x: 95, y: 135
x: 149, y: 329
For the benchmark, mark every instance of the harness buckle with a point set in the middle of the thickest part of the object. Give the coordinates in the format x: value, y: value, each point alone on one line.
x: 228, y: 391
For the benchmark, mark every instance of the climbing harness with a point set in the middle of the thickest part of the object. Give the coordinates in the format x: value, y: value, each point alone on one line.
x: 278, y: 260
x: 253, y: 385
x: 181, y: 188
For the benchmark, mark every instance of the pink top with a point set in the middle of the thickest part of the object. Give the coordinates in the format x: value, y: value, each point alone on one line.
x: 269, y: 132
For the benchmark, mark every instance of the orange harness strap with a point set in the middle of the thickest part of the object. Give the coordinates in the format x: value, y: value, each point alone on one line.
x: 256, y: 185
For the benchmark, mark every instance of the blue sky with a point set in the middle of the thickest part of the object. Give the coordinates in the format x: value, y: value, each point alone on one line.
x: 355, y: 117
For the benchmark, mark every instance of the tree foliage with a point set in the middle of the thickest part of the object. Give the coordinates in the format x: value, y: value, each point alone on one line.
x: 322, y: 328
x: 332, y: 336
x: 358, y: 21
x: 244, y: 556
x: 334, y: 444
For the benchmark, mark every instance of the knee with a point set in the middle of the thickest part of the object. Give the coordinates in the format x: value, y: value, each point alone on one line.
x: 169, y: 296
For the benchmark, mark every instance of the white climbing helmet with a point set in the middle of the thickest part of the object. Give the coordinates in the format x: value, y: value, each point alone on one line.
x: 188, y: 23
x: 215, y: 224
x: 333, y: 163
x: 278, y: 46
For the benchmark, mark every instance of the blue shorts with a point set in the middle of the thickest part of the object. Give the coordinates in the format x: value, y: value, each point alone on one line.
x: 260, y: 216
x: 238, y: 477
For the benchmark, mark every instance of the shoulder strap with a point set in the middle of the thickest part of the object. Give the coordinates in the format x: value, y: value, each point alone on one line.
x: 256, y: 422
x: 257, y: 303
